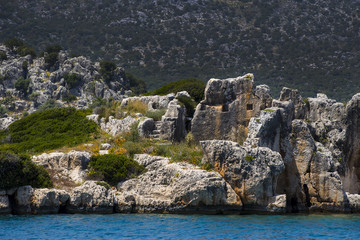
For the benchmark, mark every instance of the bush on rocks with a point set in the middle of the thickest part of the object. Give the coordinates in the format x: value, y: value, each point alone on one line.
x: 113, y: 168
x: 19, y: 170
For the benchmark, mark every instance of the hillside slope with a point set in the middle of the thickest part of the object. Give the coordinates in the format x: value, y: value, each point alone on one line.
x: 312, y: 45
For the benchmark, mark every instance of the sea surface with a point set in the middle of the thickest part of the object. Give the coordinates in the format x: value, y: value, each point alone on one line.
x: 160, y: 226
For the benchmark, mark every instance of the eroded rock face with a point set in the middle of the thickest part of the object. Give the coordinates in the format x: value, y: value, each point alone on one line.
x: 71, y: 165
x: 352, y: 146
x: 47, y: 201
x: 175, y: 187
x: 252, y: 172
x: 91, y: 197
x: 227, y: 108
x: 173, y: 122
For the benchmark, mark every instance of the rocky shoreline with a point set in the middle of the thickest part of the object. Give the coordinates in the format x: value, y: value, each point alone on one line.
x: 286, y: 155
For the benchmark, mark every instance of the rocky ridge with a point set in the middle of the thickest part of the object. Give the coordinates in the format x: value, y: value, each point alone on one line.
x: 51, y: 83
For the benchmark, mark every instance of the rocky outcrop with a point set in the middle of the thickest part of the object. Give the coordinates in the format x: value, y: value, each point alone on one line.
x: 251, y: 172
x: 71, y: 165
x: 228, y: 106
x: 47, y: 201
x: 175, y: 187
x: 113, y: 125
x: 153, y: 102
x: 173, y: 122
x: 91, y: 197
x: 52, y: 83
x: 5, y: 122
x: 146, y: 127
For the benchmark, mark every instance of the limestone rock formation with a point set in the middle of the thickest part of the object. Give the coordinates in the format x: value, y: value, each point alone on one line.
x: 228, y: 106
x: 71, y: 165
x: 46, y: 201
x: 91, y: 197
x: 146, y: 127
x: 175, y: 187
x: 153, y: 102
x: 53, y: 83
x: 5, y: 122
x: 173, y: 122
x: 252, y: 172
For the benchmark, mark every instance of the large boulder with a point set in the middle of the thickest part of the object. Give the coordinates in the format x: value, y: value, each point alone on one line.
x: 227, y: 108
x: 175, y: 187
x: 71, y: 165
x: 47, y: 201
x: 146, y: 127
x: 251, y: 172
x: 115, y: 126
x: 91, y: 197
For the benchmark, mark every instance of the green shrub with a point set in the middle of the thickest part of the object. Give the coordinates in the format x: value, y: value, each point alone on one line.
x: 21, y: 48
x: 189, y: 104
x: 49, y: 129
x: 52, y: 55
x: 68, y: 97
x: 137, y: 86
x: 3, y: 56
x: 133, y: 135
x: 49, y: 104
x: 13, y: 43
x: 72, y: 79
x: 22, y: 85
x: 98, y: 102
x: 26, y: 50
x: 25, y: 69
x: 193, y: 86
x: 133, y: 147
x: 51, y: 59
x: 113, y: 168
x: 34, y: 96
x: 107, y: 69
x: 155, y: 114
x: 19, y: 170
x: 2, y: 110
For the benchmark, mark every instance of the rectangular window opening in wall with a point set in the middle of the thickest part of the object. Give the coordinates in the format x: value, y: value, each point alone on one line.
x: 249, y: 107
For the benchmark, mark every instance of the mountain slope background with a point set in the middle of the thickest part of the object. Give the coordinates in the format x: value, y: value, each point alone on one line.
x: 312, y: 45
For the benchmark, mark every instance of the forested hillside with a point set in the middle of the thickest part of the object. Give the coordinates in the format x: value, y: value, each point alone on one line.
x: 312, y: 45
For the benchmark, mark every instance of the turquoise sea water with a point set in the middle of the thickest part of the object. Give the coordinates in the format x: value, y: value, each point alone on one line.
x: 159, y: 226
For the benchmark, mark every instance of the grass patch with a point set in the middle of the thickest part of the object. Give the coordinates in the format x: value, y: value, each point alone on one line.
x: 47, y: 130
x: 136, y: 106
x: 269, y: 110
x: 193, y: 86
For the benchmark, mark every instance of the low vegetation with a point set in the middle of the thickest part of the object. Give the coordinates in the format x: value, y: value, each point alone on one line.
x: 47, y: 130
x: 193, y: 86
x: 19, y: 170
x: 114, y: 168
